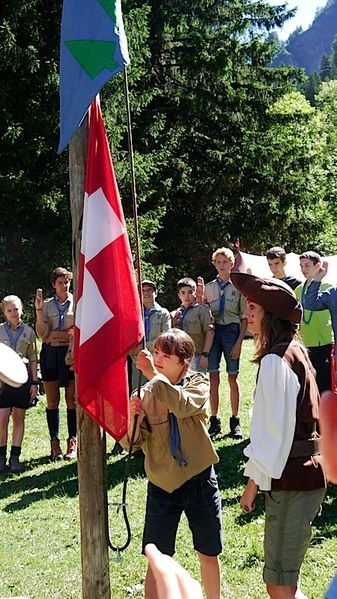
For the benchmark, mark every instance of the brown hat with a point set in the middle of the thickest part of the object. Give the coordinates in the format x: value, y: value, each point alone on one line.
x: 273, y: 295
x: 150, y: 284
x: 13, y: 371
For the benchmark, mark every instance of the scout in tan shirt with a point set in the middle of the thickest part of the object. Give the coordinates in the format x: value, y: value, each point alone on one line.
x: 21, y: 338
x: 227, y: 306
x: 179, y: 456
x: 197, y: 320
x: 54, y: 323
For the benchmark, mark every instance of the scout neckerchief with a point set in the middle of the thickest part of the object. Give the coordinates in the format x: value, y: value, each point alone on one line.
x: 14, y: 334
x: 61, y: 311
x: 147, y: 314
x: 222, y: 294
x: 303, y: 294
x: 175, y: 439
x: 182, y: 314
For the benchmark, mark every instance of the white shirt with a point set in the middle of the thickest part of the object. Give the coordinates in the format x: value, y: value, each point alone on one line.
x: 273, y: 421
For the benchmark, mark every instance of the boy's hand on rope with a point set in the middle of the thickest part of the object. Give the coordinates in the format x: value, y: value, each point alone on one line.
x: 145, y: 364
x: 136, y: 406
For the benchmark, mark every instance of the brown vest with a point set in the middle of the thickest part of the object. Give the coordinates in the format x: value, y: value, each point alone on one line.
x: 303, y: 470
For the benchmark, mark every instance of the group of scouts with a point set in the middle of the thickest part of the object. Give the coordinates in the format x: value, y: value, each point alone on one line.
x: 293, y: 348
x: 173, y: 427
x: 54, y: 324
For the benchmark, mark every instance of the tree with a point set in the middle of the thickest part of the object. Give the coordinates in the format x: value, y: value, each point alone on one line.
x: 325, y: 68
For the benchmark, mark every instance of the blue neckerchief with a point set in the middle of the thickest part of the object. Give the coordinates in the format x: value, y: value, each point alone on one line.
x: 222, y: 294
x: 175, y: 441
x: 14, y: 336
x: 61, y: 311
x: 147, y: 314
x: 182, y: 314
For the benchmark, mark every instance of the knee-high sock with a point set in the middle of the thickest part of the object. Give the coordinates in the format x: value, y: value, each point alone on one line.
x: 53, y: 420
x: 71, y: 421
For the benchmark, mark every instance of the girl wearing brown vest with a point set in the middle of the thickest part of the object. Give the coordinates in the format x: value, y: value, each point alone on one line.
x: 284, y: 459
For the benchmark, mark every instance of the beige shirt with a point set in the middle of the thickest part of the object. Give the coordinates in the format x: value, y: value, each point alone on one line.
x: 26, y: 343
x: 234, y: 303
x: 51, y: 315
x: 160, y: 322
x: 188, y: 402
x: 198, y: 320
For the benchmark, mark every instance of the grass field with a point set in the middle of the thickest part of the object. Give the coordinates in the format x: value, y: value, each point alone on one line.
x: 40, y: 536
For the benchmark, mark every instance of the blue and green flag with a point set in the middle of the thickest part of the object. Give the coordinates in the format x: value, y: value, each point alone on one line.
x: 93, y: 49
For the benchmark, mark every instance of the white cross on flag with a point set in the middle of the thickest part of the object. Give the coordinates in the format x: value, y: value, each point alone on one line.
x: 108, y: 314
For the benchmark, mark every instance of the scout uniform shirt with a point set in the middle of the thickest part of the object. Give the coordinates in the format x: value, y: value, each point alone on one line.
x: 157, y: 320
x: 196, y: 321
x: 21, y: 340
x: 58, y: 317
x: 234, y: 302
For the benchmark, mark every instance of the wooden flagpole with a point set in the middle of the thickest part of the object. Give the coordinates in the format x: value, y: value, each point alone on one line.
x: 91, y: 441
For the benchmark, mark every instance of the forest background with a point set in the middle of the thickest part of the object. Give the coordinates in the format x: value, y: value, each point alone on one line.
x: 225, y: 145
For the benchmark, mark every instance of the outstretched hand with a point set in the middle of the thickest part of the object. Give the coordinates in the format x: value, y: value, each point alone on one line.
x: 199, y: 296
x: 172, y: 580
x: 39, y: 299
x: 321, y: 270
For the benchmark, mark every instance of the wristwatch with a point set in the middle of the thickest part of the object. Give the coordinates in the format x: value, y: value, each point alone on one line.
x: 35, y: 383
x: 205, y: 354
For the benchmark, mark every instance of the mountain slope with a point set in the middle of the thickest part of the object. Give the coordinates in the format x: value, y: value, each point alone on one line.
x: 307, y: 48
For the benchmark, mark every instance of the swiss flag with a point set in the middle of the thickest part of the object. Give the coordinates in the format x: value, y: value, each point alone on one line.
x: 108, y: 314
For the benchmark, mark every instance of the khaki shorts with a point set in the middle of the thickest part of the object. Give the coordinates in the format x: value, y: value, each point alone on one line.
x: 289, y: 516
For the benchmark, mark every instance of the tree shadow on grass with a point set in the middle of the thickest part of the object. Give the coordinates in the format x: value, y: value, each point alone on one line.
x: 57, y: 481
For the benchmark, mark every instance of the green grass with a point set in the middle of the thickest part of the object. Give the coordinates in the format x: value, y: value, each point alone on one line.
x: 40, y: 536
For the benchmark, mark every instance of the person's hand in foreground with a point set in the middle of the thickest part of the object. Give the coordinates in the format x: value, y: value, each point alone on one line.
x: 172, y: 580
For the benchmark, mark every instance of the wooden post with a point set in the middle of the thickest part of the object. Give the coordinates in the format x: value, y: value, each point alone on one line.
x: 91, y: 445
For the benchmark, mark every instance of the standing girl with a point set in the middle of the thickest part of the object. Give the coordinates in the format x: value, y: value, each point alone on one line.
x: 54, y: 323
x: 283, y: 452
x: 14, y: 401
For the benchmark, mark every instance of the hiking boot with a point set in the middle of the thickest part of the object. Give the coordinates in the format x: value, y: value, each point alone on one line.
x: 215, y: 426
x: 2, y: 463
x: 55, y: 451
x: 14, y: 464
x: 71, y: 449
x: 235, y: 428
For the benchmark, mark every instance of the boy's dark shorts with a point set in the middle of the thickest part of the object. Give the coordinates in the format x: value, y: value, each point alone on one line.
x: 200, y: 499
x: 320, y: 357
x: 16, y: 397
x: 53, y: 366
x: 225, y: 337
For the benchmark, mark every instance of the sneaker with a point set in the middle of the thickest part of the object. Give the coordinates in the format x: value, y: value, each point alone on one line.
x: 235, y: 428
x: 55, y: 451
x: 14, y: 464
x: 71, y: 449
x: 215, y: 426
x: 2, y: 463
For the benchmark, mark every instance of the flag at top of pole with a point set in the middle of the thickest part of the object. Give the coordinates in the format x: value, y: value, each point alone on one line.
x: 93, y: 49
x: 108, y: 315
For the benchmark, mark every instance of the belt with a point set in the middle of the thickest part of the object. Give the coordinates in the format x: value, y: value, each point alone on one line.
x: 305, y: 448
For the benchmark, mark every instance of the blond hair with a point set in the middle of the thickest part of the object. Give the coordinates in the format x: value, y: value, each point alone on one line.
x: 9, y: 299
x: 223, y: 252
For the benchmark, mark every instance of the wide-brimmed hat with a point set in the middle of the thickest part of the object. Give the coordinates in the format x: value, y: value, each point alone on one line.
x: 273, y: 295
x: 13, y: 371
x: 150, y: 284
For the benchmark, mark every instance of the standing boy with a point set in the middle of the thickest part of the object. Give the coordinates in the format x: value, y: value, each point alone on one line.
x: 196, y: 320
x: 315, y: 328
x: 227, y: 306
x: 179, y: 457
x: 319, y: 299
x: 157, y: 320
x: 276, y: 258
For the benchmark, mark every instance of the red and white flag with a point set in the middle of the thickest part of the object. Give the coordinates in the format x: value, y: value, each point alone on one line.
x: 108, y: 314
